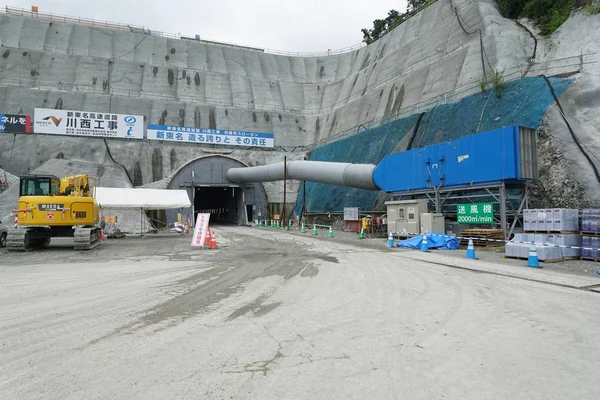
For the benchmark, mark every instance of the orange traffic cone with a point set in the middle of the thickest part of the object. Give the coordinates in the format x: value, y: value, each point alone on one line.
x: 213, y: 241
x: 207, y: 237
x: 102, y: 234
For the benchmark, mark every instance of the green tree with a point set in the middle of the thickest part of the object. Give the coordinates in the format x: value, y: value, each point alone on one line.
x: 549, y: 15
x: 412, y: 5
x: 512, y: 8
x: 380, y: 26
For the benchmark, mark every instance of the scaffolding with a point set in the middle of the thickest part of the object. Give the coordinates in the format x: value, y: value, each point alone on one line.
x: 509, y: 201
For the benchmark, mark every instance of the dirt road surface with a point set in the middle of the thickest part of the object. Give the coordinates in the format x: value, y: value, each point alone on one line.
x: 271, y: 315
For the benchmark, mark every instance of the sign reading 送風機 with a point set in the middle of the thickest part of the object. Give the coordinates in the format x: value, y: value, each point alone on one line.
x: 11, y: 123
x: 479, y: 213
x: 210, y: 136
x: 84, y: 123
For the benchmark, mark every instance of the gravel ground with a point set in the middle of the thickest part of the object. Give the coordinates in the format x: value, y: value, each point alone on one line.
x: 272, y: 315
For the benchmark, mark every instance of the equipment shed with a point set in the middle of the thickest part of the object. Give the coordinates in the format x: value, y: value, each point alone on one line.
x: 142, y: 200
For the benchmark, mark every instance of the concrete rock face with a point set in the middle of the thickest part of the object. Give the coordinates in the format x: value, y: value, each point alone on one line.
x: 567, y: 176
x: 187, y: 83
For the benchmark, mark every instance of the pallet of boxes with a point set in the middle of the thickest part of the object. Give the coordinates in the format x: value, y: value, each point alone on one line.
x: 544, y: 230
x: 590, y: 234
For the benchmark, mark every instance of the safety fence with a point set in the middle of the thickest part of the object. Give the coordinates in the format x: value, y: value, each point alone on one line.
x: 399, y: 235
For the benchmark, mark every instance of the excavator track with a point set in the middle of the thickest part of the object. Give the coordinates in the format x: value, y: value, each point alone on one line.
x: 17, y: 240
x: 86, y: 238
x: 23, y: 239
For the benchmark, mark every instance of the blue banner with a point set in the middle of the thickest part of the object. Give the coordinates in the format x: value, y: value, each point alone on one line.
x: 210, y: 136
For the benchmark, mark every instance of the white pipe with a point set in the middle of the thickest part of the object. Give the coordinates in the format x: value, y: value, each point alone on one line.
x: 333, y: 173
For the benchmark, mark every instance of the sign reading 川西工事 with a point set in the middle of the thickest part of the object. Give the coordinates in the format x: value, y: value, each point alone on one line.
x: 83, y: 123
x: 11, y: 123
x: 224, y: 137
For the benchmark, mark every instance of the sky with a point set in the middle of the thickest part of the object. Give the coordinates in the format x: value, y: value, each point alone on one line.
x: 286, y: 25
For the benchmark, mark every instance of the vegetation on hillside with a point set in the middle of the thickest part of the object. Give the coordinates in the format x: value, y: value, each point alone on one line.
x: 394, y: 18
x: 548, y: 15
x: 593, y: 8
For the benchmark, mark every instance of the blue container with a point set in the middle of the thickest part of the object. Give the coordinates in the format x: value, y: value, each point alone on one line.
x: 503, y: 155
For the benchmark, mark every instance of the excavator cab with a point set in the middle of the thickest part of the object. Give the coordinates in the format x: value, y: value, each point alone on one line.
x: 39, y: 185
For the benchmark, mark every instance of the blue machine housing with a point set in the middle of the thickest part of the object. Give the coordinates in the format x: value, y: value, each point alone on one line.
x: 506, y: 155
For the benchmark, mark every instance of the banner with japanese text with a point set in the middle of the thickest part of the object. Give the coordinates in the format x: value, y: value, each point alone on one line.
x: 84, y: 123
x: 12, y: 123
x: 210, y: 136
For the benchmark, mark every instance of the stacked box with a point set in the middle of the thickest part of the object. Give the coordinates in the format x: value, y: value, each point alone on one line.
x: 590, y: 220
x: 567, y: 240
x: 527, y: 220
x: 524, y: 250
x: 554, y: 219
x: 586, y: 241
x: 512, y: 250
x: 564, y: 220
x: 517, y: 250
x: 548, y: 220
x: 595, y: 242
x: 540, y: 238
x: 546, y: 253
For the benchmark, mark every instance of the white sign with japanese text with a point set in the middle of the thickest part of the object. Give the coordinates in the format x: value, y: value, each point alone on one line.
x: 83, y: 123
x: 200, y: 230
x: 210, y: 136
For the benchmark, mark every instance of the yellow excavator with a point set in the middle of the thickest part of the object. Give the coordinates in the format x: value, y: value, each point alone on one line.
x: 50, y: 207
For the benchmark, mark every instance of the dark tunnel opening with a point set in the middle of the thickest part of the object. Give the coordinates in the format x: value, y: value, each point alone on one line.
x: 220, y: 202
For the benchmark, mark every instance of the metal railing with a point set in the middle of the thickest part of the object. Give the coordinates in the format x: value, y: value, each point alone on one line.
x: 510, y: 74
x: 574, y: 65
x: 117, y: 26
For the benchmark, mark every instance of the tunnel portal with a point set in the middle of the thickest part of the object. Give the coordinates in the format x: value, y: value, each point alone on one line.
x: 210, y: 192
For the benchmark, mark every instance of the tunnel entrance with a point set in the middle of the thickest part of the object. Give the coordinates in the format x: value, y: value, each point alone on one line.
x: 210, y: 192
x: 220, y: 202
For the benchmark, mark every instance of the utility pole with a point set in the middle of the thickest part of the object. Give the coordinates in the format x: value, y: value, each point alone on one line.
x: 193, y: 201
x: 304, y: 211
x: 284, y: 189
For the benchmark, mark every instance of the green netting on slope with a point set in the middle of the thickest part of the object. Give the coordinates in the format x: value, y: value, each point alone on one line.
x: 523, y: 102
x: 366, y: 147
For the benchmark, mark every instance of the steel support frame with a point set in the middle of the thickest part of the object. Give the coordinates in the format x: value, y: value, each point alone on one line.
x: 507, y: 215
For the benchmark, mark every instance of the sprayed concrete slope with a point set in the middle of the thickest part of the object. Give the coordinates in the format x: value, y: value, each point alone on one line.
x: 300, y: 99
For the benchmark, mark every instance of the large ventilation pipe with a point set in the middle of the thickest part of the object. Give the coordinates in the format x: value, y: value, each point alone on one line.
x: 333, y: 173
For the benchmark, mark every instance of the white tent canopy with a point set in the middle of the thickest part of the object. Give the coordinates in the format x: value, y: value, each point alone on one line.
x: 141, y: 199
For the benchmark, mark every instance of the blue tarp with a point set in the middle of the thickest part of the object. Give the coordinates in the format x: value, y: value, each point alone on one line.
x: 434, y: 240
